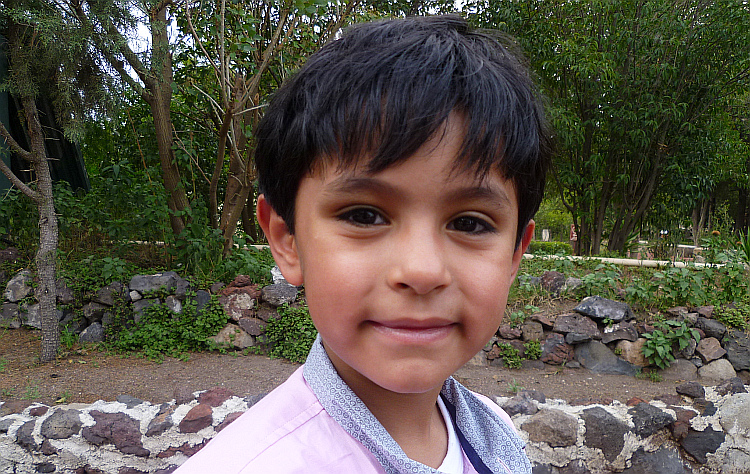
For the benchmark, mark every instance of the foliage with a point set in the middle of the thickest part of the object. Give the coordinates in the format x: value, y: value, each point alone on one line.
x: 292, y: 334
x: 538, y: 247
x: 743, y: 246
x: 638, y: 106
x: 510, y: 355
x: 736, y: 315
x: 602, y: 281
x: 514, y: 387
x: 532, y: 350
x: 671, y: 335
x: 162, y: 332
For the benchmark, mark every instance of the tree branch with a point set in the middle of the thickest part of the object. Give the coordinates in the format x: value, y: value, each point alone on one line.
x: 33, y: 195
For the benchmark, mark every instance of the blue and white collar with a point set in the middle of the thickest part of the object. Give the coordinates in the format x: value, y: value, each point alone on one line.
x: 489, y: 443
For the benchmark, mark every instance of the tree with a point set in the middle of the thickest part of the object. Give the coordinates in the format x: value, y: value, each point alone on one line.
x: 41, y: 63
x: 627, y: 81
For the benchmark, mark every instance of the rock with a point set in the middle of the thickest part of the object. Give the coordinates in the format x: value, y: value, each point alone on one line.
x: 25, y: 436
x: 228, y: 420
x: 731, y: 386
x: 31, y: 316
x: 604, y: 431
x: 543, y: 319
x: 202, y: 298
x: 555, y: 351
x: 734, y: 415
x: 252, y: 326
x: 181, y: 288
x: 279, y: 294
x: 233, y: 336
x: 109, y: 294
x: 5, y: 424
x: 661, y: 461
x: 19, y: 287
x: 507, y: 332
x: 532, y: 331
x: 65, y: 295
x: 93, y: 333
x: 688, y: 351
x: 266, y: 312
x: 737, y: 345
x: 40, y: 410
x: 679, y: 369
x: 677, y: 312
x: 597, y: 357
x: 572, y: 284
x: 520, y: 405
x: 619, y: 332
x: 573, y: 338
x: 10, y: 316
x: 140, y: 306
x: 711, y: 327
x: 586, y: 401
x: 173, y: 304
x: 216, y: 287
x: 710, y: 349
x: 533, y: 395
x: 152, y: 283
x: 649, y: 419
x: 632, y: 352
x: 215, y: 396
x: 577, y: 324
x: 705, y: 311
x: 135, y: 296
x: 129, y: 401
x: 199, y: 417
x: 162, y: 421
x: 14, y: 407
x: 238, y: 305
x: 599, y: 308
x: 716, y: 372
x: 61, y: 424
x: 699, y: 443
x: 526, y: 280
x: 681, y: 427
x: 691, y: 389
x: 577, y: 466
x: 118, y: 429
x: 553, y: 281
x: 736, y: 461
x: 705, y: 407
x: 553, y: 427
x: 183, y: 396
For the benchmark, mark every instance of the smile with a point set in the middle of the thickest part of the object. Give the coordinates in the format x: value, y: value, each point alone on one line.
x: 414, y: 332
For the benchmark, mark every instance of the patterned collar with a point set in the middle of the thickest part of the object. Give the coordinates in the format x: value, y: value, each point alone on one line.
x: 489, y: 443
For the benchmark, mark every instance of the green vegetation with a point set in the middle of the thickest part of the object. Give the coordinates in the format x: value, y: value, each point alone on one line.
x: 532, y: 350
x: 737, y: 316
x: 510, y: 355
x: 539, y: 247
x: 162, y: 332
x: 663, y: 342
x: 292, y: 334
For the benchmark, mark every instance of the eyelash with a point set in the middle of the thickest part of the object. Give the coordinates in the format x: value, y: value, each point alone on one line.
x: 355, y: 217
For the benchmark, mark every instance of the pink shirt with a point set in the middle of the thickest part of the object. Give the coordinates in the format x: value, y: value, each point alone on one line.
x: 288, y: 431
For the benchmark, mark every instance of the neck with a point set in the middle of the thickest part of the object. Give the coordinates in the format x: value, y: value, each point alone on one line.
x: 413, y: 420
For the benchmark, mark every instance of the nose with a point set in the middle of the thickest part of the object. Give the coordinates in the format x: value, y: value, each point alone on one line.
x: 419, y: 261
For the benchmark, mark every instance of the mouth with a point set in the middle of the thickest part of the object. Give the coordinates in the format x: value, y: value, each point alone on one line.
x: 414, y: 331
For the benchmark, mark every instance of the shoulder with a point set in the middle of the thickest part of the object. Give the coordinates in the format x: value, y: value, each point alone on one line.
x: 287, y: 431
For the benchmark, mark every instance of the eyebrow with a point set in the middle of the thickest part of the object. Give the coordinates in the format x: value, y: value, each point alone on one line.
x: 355, y: 185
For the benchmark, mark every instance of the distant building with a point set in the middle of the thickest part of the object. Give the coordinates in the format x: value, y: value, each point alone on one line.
x: 66, y: 162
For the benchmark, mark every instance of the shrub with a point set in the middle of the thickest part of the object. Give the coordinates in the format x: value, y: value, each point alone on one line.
x: 550, y: 248
x: 292, y: 334
x: 532, y: 350
x: 660, y: 344
x: 737, y: 316
x: 510, y: 355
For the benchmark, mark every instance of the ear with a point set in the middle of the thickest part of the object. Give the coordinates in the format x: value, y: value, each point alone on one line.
x: 528, y: 233
x: 282, y: 242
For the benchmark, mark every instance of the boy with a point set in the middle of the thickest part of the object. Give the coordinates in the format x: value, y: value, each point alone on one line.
x: 400, y: 169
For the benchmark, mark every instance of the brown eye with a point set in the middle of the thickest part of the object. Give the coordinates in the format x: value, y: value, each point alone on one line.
x: 470, y: 225
x: 363, y: 216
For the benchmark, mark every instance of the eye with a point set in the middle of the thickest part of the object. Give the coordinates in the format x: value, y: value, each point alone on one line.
x: 470, y: 225
x: 362, y: 216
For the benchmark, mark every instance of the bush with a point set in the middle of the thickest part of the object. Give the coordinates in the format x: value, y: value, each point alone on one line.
x: 550, y: 248
x: 292, y: 334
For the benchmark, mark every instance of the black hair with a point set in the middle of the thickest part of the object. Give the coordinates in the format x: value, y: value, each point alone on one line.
x: 383, y: 89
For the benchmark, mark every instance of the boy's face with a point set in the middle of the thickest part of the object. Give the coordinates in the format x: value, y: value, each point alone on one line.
x: 407, y: 270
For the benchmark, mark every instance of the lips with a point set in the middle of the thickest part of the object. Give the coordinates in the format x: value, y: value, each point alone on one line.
x: 414, y: 331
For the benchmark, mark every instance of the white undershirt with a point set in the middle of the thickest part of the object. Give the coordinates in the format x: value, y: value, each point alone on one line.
x: 454, y: 458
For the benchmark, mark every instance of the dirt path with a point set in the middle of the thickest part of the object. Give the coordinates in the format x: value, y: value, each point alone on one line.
x: 90, y: 376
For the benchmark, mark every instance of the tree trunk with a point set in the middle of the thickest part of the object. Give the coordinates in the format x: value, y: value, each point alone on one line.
x: 46, y: 255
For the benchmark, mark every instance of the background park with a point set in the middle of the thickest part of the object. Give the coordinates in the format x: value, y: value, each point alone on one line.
x: 128, y: 152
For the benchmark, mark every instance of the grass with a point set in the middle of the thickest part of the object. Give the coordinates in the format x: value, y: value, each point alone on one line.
x: 3, y: 364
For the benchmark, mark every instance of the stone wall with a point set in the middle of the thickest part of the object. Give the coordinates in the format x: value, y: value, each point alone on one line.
x: 707, y: 432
